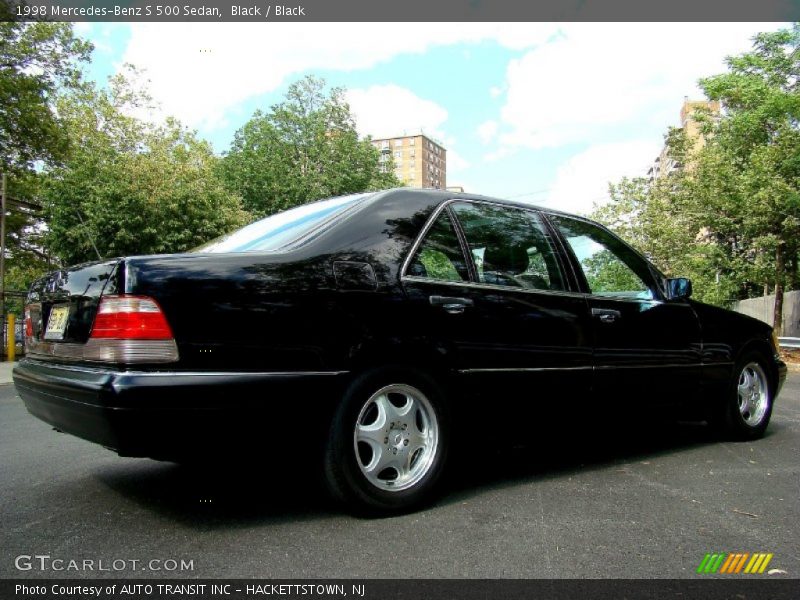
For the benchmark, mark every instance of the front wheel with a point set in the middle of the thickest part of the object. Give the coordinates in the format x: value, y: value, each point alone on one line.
x: 746, y: 411
x: 388, y: 441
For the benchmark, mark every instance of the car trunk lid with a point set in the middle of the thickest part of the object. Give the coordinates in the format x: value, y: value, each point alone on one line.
x: 62, y: 305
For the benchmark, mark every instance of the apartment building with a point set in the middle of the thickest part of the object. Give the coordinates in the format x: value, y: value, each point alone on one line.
x: 418, y: 160
x: 665, y: 164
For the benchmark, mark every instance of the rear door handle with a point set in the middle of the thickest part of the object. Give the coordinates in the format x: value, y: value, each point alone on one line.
x: 451, y: 305
x: 606, y: 315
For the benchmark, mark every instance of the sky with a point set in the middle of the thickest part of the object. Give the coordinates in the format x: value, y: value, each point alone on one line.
x: 537, y: 112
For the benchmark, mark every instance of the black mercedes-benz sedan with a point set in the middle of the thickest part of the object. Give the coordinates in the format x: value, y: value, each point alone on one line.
x: 378, y: 326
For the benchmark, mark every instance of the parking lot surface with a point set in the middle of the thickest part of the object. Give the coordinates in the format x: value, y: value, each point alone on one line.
x: 584, y: 502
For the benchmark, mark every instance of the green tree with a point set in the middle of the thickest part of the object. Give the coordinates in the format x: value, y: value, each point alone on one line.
x: 303, y: 149
x: 131, y: 187
x: 730, y: 219
x: 36, y: 61
x: 748, y: 176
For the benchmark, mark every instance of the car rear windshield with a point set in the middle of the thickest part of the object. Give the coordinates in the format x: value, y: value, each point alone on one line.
x: 284, y: 228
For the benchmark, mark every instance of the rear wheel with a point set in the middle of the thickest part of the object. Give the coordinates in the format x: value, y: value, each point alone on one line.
x: 388, y: 441
x: 747, y: 409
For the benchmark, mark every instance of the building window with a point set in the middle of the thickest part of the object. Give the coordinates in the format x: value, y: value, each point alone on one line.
x: 412, y: 141
x: 398, y: 142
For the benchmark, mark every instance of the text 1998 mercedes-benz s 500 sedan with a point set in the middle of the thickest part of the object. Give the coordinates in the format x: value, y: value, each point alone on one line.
x: 376, y: 326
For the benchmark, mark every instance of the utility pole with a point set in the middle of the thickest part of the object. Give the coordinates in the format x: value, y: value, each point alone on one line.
x: 3, y: 254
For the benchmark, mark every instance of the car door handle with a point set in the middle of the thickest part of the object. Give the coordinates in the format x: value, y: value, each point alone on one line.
x: 451, y: 305
x: 606, y: 315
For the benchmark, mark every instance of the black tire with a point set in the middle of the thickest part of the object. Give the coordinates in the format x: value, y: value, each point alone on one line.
x: 728, y: 418
x: 344, y: 475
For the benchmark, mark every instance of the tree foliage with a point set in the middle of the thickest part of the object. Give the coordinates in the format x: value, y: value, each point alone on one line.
x: 302, y: 149
x: 36, y: 61
x: 731, y: 218
x: 129, y: 186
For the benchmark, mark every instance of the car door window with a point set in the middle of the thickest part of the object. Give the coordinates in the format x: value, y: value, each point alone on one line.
x: 510, y: 246
x: 611, y: 268
x: 439, y: 256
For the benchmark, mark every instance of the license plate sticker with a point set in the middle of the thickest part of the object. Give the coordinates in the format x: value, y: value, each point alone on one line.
x: 57, y: 323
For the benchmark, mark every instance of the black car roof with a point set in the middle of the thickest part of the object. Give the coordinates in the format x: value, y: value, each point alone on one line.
x: 432, y: 196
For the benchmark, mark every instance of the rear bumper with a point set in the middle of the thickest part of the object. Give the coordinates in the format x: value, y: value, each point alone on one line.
x: 175, y: 414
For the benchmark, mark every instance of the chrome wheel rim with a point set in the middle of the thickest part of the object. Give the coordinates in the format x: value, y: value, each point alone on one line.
x: 753, y: 394
x: 396, y: 437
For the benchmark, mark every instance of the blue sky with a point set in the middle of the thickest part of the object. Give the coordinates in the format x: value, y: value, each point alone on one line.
x: 547, y: 113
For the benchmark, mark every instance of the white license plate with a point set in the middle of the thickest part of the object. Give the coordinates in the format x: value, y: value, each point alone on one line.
x: 57, y: 323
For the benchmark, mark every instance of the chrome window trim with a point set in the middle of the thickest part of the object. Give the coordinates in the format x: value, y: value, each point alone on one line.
x: 621, y: 299
x: 491, y: 286
x: 435, y: 215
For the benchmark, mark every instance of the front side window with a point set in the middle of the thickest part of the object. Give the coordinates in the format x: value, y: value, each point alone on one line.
x: 439, y: 256
x: 510, y: 246
x: 611, y: 268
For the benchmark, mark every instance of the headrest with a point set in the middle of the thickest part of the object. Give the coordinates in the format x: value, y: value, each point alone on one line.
x: 510, y: 259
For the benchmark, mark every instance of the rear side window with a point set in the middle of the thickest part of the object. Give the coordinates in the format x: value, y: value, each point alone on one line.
x: 439, y: 256
x: 284, y: 228
x: 510, y: 246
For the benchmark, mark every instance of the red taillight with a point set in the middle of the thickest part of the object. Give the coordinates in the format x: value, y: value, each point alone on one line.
x: 130, y: 318
x: 28, y: 323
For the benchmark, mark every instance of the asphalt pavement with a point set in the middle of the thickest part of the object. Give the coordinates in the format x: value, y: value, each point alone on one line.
x: 598, y: 502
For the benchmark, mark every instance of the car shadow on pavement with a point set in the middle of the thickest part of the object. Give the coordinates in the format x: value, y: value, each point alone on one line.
x: 582, y: 446
x: 240, y: 493
x: 222, y: 494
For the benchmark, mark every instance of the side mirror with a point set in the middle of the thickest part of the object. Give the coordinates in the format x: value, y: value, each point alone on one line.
x: 679, y: 288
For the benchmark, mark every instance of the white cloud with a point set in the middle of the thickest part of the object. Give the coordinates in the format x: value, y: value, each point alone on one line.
x: 597, y: 76
x: 495, y: 91
x: 499, y: 154
x: 200, y: 71
x: 455, y: 162
x: 487, y: 130
x: 583, y: 180
x: 390, y: 110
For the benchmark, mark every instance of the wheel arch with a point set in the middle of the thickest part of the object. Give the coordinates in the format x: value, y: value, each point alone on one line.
x: 763, y: 348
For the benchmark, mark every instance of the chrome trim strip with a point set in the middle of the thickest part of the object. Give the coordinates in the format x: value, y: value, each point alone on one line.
x: 624, y: 299
x: 653, y: 366
x: 234, y: 374
x: 491, y: 286
x: 599, y: 367
x: 523, y: 369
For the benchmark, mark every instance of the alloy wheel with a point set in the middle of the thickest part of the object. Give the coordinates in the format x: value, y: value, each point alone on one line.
x: 753, y: 394
x: 396, y: 437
